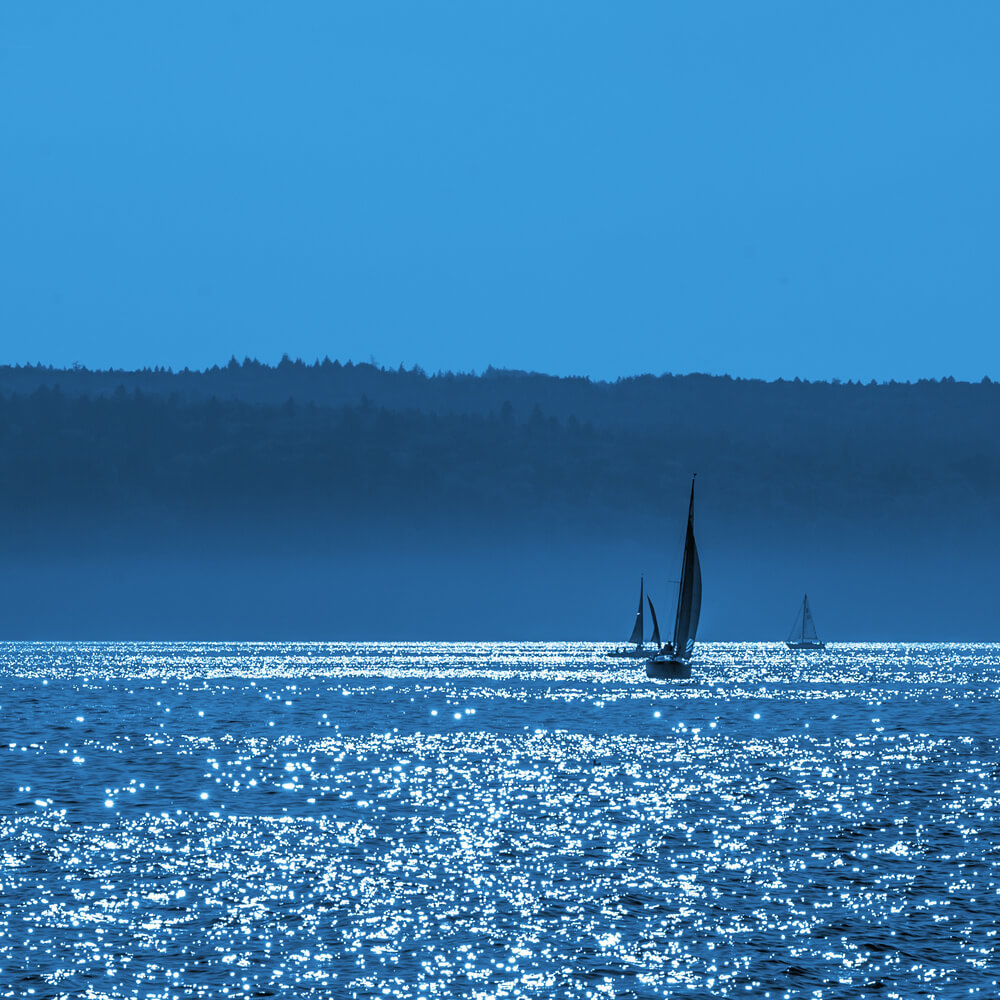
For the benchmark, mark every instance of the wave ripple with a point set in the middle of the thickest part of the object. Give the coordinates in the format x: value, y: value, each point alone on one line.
x: 497, y: 820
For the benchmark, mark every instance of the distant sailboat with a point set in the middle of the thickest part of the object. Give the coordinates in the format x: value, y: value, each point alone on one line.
x: 803, y: 634
x: 674, y: 658
x: 639, y: 650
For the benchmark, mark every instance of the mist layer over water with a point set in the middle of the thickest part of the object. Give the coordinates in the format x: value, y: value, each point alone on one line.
x: 437, y: 820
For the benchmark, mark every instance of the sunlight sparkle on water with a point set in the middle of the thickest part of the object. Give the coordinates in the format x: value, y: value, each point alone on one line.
x: 304, y: 823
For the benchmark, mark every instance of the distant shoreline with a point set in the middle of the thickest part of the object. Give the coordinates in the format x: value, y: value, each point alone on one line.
x: 331, y: 499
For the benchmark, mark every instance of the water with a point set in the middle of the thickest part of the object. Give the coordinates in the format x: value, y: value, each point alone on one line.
x: 497, y: 820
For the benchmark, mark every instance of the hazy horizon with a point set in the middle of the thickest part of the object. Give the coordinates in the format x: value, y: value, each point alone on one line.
x: 336, y: 501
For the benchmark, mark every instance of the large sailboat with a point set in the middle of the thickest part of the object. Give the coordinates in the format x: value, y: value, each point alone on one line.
x: 637, y: 648
x: 803, y: 634
x: 674, y: 659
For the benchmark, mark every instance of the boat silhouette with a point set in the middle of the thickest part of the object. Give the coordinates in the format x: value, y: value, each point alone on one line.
x: 638, y: 648
x: 674, y: 658
x: 803, y: 634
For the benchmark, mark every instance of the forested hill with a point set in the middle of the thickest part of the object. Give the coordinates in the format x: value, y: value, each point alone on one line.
x: 858, y: 493
x: 333, y: 434
x: 640, y: 401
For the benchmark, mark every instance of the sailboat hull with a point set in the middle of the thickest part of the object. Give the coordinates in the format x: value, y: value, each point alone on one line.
x: 668, y: 668
x: 805, y: 645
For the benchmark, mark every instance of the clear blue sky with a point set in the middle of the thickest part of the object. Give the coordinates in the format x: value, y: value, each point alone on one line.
x: 765, y: 189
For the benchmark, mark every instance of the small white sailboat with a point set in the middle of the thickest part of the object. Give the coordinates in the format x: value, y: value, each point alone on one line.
x: 803, y: 634
x: 638, y: 649
x: 673, y: 661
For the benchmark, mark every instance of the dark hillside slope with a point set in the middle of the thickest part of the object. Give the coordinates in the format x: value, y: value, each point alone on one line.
x: 336, y: 500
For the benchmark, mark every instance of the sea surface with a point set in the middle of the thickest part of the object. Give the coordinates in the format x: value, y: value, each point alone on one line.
x: 498, y: 820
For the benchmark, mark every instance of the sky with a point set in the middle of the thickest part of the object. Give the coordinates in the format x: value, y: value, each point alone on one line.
x: 773, y: 189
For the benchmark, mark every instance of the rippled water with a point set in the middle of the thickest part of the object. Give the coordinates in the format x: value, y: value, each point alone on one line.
x: 490, y: 820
